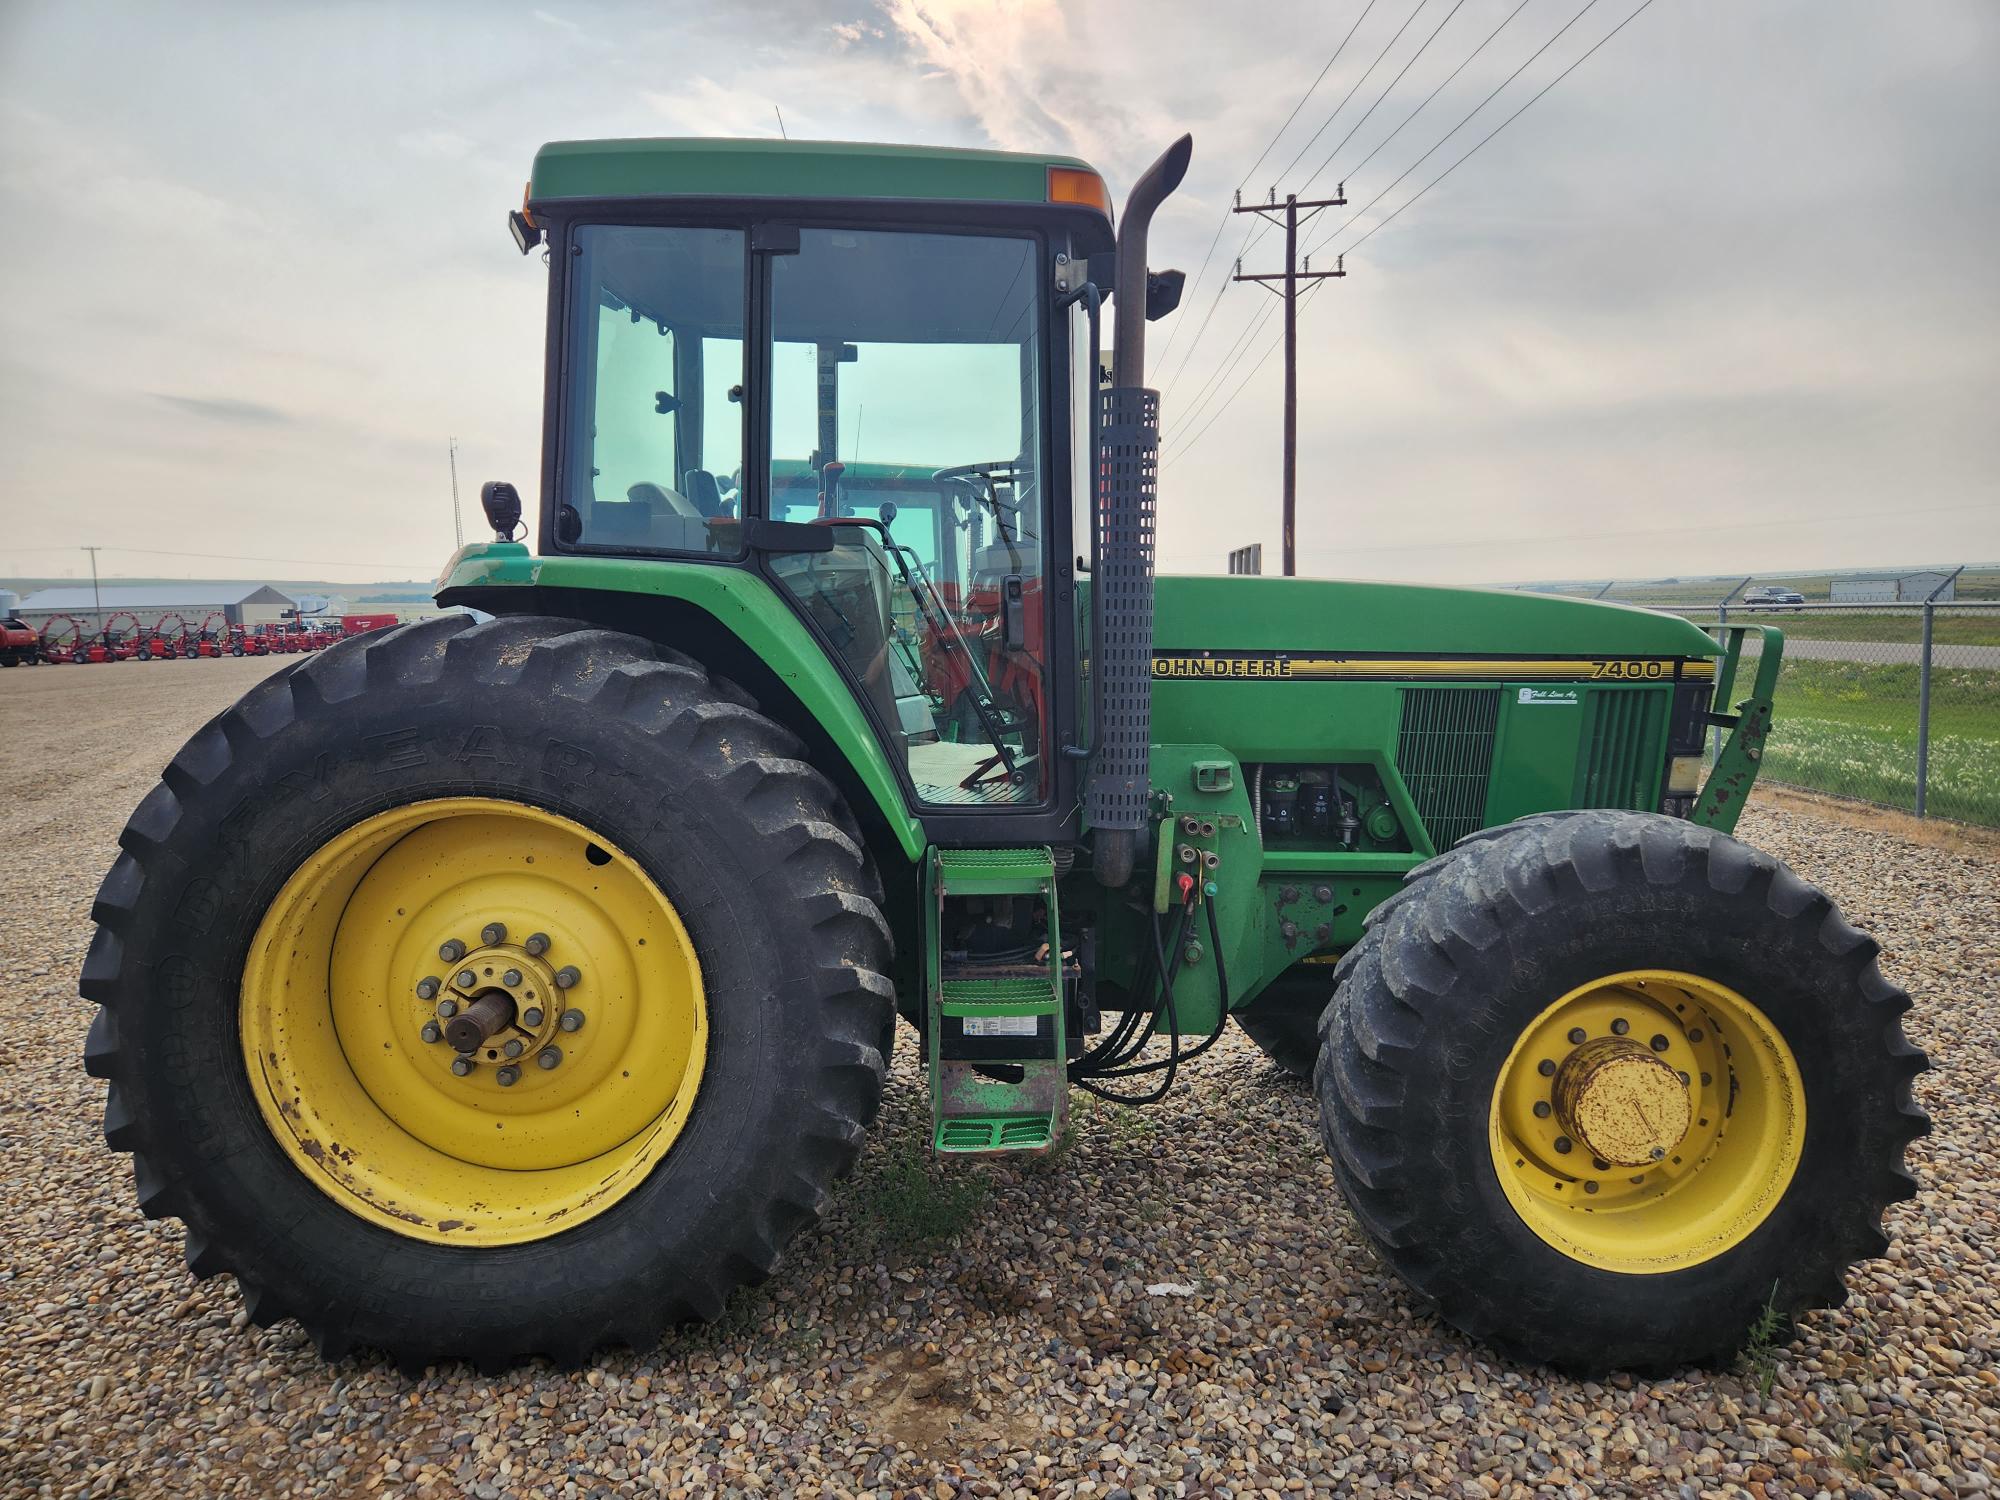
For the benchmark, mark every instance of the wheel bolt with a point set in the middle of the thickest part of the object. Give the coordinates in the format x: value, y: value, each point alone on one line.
x: 467, y: 979
x: 447, y: 1008
x: 549, y: 1057
x: 1578, y: 1036
x: 511, y: 978
x: 513, y: 1047
x: 507, y: 1077
x: 1563, y: 1144
x: 1546, y: 1068
x: 427, y: 988
x: 451, y: 952
x: 461, y: 1066
x: 1543, y: 1109
x: 1620, y: 1026
x: 1659, y: 1153
x: 567, y: 976
x: 1695, y: 1033
x: 1590, y: 1187
x: 532, y: 1016
x: 1659, y: 1044
x: 432, y: 1032
x: 537, y: 944
x: 572, y: 1020
x: 493, y: 932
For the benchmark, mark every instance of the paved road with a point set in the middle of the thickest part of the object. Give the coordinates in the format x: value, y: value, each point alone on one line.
x: 1878, y: 652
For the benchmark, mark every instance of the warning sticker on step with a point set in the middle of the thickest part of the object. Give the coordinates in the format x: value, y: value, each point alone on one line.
x: 1551, y: 697
x: 997, y: 1025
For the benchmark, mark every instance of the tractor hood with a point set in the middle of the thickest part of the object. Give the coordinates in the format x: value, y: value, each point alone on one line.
x: 1195, y: 614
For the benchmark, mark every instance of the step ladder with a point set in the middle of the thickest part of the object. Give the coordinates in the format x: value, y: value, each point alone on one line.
x: 1005, y: 1018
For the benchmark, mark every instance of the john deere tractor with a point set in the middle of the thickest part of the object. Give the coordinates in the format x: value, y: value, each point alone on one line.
x: 520, y: 981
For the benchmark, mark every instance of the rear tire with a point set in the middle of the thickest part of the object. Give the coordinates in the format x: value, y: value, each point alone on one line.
x: 703, y: 793
x: 1451, y: 979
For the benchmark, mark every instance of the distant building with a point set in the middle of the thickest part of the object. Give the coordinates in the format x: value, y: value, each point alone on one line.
x: 246, y: 604
x: 1911, y: 588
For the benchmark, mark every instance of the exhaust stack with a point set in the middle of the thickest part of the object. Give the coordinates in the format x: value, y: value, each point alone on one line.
x: 1127, y: 480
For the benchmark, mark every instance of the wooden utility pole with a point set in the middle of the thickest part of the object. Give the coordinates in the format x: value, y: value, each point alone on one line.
x: 1286, y: 284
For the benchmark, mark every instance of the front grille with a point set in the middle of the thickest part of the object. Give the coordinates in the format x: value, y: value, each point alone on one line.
x: 1445, y: 752
x: 1621, y: 749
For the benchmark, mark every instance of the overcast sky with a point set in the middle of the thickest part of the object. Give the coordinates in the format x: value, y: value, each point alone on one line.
x: 1725, y: 298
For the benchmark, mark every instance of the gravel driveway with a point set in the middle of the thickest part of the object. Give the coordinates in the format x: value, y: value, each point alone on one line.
x: 1021, y: 1355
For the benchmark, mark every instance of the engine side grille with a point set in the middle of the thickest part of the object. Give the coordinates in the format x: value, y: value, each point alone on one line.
x: 1621, y: 749
x: 1445, y: 752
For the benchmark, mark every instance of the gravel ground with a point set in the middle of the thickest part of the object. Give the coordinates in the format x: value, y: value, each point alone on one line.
x: 1023, y: 1355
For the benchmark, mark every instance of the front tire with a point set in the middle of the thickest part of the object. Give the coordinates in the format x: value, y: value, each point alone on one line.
x: 571, y: 732
x: 1527, y: 1002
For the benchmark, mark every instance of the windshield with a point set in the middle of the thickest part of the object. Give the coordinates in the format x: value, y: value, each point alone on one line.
x: 906, y: 390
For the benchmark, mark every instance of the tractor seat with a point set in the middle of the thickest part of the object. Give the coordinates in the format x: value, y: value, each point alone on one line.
x: 704, y: 493
x: 651, y: 515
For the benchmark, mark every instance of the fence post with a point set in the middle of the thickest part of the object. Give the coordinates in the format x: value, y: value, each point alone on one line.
x: 1924, y: 710
x: 1924, y: 692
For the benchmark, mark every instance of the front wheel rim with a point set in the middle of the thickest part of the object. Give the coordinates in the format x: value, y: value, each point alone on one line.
x: 592, y: 1013
x: 1647, y: 1121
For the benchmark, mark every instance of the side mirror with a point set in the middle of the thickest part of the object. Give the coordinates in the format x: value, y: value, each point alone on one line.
x: 1163, y: 293
x: 502, y: 504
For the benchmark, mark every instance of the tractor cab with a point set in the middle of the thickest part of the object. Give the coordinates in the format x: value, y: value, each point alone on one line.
x: 864, y: 378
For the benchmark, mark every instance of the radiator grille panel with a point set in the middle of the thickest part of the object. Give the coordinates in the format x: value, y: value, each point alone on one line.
x: 1616, y: 768
x: 1445, y: 752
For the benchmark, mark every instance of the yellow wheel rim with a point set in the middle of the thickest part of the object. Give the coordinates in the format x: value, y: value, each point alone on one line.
x: 572, y: 956
x: 1647, y: 1121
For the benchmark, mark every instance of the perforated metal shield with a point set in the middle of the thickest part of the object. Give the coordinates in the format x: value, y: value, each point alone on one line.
x: 1129, y: 458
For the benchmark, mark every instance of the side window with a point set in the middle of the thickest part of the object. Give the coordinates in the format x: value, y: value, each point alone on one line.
x: 654, y: 451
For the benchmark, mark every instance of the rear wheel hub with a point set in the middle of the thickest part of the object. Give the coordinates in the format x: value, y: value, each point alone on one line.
x: 474, y: 1021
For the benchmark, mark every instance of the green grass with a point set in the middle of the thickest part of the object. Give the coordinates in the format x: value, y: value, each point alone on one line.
x: 1850, y: 729
x: 1981, y: 629
x: 1764, y: 1345
x: 912, y: 1202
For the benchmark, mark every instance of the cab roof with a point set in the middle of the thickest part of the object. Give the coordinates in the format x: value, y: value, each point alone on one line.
x: 701, y: 167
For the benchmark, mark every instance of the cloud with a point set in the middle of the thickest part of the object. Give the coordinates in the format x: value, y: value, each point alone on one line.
x: 440, y: 145
x: 226, y: 409
x: 998, y: 59
x: 852, y: 33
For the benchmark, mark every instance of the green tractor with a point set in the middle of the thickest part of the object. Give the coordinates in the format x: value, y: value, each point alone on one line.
x: 519, y: 982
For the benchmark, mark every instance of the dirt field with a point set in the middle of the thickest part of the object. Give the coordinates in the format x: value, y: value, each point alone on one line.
x: 983, y: 1331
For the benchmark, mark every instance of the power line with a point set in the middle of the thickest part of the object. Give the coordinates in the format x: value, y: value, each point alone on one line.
x: 1352, y: 91
x: 1194, y: 282
x: 1408, y: 64
x: 1463, y: 121
x: 1351, y: 171
x: 1221, y: 371
x: 1503, y: 124
x: 1248, y: 374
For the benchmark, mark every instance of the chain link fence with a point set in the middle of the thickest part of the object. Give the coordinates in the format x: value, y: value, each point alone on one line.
x: 1893, y: 704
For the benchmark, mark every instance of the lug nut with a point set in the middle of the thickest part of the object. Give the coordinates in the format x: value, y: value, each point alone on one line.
x: 1546, y: 1068
x: 493, y: 932
x: 549, y: 1057
x: 1659, y: 1044
x: 466, y: 979
x: 452, y: 951
x: 513, y: 1047
x: 567, y: 976
x: 1659, y: 1153
x: 507, y: 1077
x: 1590, y: 1187
x: 1578, y: 1036
x: 1620, y: 1026
x: 432, y: 1032
x: 1543, y: 1109
x: 428, y: 987
x: 447, y: 1008
x: 537, y: 944
x: 532, y: 1016
x: 461, y: 1066
x: 511, y: 978
x: 572, y: 1020
x: 1564, y: 1144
